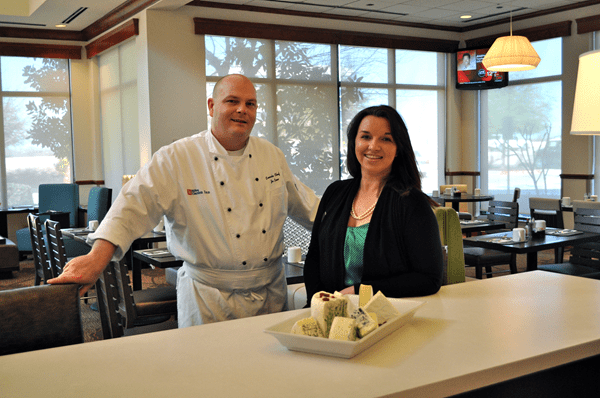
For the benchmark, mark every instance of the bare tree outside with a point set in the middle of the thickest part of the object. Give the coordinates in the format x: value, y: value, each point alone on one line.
x: 37, y: 126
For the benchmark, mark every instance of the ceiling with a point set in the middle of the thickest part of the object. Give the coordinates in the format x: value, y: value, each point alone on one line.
x: 75, y: 14
x: 445, y: 13
x: 79, y: 14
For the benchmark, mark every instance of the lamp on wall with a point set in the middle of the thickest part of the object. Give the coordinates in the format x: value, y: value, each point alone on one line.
x: 586, y: 107
x: 511, y: 53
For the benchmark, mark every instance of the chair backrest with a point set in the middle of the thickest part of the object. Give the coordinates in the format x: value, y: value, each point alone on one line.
x: 60, y: 197
x: 587, y: 219
x: 126, y: 303
x: 586, y: 254
x: 56, y: 247
x: 99, y: 201
x: 295, y: 234
x: 585, y: 204
x: 40, y: 255
x: 108, y: 298
x: 547, y: 209
x: 516, y: 194
x: 39, y: 317
x: 451, y: 236
x: 506, y: 212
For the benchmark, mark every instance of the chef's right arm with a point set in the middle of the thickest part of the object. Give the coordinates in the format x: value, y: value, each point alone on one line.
x: 85, y: 270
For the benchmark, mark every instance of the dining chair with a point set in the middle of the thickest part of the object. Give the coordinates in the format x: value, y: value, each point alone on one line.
x: 57, y: 255
x: 43, y: 271
x: 451, y: 237
x: 39, y: 317
x: 585, y: 258
x: 99, y: 201
x: 478, y: 257
x: 549, y: 210
x: 585, y: 204
x: 56, y: 248
x: 128, y: 309
x: 516, y: 194
x: 56, y: 197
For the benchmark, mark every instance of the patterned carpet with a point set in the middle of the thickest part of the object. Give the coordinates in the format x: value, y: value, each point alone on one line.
x: 90, y: 318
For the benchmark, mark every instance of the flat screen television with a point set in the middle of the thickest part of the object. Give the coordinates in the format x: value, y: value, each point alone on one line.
x: 472, y: 75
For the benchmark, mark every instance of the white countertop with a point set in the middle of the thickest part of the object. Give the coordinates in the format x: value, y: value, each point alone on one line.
x: 467, y: 336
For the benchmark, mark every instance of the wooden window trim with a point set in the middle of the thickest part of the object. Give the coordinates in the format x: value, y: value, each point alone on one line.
x: 588, y: 24
x: 126, y: 31
x: 206, y: 26
x: 40, y: 50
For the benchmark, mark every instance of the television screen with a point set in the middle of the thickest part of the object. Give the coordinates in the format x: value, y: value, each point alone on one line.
x: 472, y: 75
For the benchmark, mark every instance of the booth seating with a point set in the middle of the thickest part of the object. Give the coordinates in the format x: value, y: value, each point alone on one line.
x: 38, y: 317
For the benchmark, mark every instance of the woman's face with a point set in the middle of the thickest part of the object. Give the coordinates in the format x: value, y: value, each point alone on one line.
x: 375, y: 148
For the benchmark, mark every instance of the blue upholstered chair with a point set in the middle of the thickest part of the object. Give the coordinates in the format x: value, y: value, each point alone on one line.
x: 56, y: 197
x: 99, y: 201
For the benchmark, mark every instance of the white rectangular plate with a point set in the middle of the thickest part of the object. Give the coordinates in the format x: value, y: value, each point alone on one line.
x: 336, y: 348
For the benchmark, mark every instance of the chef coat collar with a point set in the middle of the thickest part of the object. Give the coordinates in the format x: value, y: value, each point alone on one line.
x: 215, y: 147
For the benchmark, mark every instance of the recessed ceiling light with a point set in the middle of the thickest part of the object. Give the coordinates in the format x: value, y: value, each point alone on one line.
x: 465, y: 16
x: 60, y: 26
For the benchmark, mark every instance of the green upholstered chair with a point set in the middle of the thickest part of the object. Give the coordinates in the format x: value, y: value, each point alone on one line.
x: 56, y: 197
x: 451, y: 236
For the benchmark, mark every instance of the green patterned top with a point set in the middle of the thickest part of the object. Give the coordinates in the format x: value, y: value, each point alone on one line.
x: 353, y: 253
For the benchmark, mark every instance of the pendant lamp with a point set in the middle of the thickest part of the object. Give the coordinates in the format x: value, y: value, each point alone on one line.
x: 586, y: 107
x: 511, y: 53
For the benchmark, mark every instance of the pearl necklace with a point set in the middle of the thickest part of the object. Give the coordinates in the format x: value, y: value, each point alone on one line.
x: 365, y: 214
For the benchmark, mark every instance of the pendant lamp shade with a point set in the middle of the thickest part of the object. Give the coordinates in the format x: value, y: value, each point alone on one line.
x: 586, y: 108
x: 511, y: 53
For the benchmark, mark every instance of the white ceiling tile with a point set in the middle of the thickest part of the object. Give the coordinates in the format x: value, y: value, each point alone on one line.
x: 309, y: 8
x: 465, y: 6
x: 405, y: 9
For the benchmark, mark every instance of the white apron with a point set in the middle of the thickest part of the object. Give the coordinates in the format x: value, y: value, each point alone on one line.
x: 205, y: 296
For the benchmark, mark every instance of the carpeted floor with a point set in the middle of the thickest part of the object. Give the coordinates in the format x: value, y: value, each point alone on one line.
x: 90, y: 318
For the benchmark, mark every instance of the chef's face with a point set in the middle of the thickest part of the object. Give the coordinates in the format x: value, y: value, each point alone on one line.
x: 375, y: 148
x: 233, y: 111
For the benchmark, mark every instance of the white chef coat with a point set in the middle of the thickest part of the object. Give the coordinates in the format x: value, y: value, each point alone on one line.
x: 224, y: 218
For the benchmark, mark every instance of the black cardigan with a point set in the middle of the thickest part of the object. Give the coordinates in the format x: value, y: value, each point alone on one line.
x: 403, y: 251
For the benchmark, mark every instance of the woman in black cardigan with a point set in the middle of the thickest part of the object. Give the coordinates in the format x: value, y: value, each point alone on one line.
x: 378, y: 228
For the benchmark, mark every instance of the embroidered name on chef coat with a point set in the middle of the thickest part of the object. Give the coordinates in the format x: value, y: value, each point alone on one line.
x: 197, y: 192
x: 273, y: 177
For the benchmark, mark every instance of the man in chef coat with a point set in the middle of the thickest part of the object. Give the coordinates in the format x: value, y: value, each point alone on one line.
x: 224, y: 196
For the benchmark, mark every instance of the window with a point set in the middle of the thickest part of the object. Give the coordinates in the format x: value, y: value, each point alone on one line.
x: 36, y: 131
x: 308, y: 93
x: 119, y: 113
x: 521, y: 131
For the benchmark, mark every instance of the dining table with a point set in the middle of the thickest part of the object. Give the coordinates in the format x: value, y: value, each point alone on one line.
x: 507, y: 336
x: 143, y: 242
x: 469, y: 226
x: 462, y: 197
x: 551, y: 239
